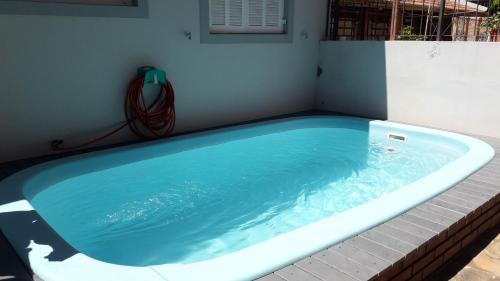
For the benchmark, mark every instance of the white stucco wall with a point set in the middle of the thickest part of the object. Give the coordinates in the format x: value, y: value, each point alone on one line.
x: 65, y: 77
x: 449, y: 85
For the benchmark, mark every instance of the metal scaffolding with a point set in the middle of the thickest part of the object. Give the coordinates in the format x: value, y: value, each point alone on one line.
x: 426, y: 20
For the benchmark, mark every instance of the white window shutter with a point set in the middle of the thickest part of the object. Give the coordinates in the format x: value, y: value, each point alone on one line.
x: 255, y: 12
x: 247, y: 16
x: 236, y: 13
x: 217, y: 12
x: 273, y: 13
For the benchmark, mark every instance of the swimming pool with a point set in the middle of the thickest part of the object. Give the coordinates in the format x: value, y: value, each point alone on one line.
x: 229, y: 204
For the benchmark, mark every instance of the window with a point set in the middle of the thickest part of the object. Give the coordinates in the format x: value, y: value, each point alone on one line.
x: 79, y: 8
x: 246, y: 21
x: 247, y: 16
x: 91, y: 2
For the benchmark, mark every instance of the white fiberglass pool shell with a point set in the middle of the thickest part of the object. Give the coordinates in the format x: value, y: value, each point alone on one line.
x: 251, y: 262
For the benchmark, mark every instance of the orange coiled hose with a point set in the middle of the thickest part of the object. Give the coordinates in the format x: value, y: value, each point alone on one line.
x: 156, y: 120
x: 147, y: 121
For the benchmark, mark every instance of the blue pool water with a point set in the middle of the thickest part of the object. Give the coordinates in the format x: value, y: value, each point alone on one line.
x: 205, y: 202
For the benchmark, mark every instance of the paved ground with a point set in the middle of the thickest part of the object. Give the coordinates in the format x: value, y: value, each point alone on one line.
x: 479, y: 262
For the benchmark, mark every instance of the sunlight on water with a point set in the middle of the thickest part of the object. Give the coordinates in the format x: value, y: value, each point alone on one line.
x: 207, y: 202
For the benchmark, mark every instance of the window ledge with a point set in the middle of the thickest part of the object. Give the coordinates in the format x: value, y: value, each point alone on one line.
x: 16, y: 7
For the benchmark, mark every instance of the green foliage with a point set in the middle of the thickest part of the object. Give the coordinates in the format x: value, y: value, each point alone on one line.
x: 406, y: 34
x: 494, y: 8
x: 493, y: 21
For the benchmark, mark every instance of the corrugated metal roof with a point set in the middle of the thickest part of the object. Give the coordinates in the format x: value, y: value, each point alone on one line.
x: 451, y: 5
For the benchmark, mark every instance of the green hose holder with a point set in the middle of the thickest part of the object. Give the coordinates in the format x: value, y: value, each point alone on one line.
x: 152, y: 75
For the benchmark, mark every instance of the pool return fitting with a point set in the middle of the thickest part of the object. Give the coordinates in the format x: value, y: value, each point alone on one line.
x: 147, y: 121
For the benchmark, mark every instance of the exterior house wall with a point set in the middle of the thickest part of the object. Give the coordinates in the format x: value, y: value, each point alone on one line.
x: 448, y: 85
x: 65, y: 77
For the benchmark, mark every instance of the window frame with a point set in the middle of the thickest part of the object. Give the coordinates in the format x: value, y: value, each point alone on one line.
x: 206, y: 37
x: 246, y: 27
x: 16, y: 7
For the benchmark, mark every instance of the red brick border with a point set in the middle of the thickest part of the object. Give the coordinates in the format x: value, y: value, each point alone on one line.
x: 444, y: 246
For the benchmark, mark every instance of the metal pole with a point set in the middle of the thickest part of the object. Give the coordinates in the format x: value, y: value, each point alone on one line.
x: 442, y: 7
x: 328, y: 31
x: 394, y: 20
x: 336, y: 15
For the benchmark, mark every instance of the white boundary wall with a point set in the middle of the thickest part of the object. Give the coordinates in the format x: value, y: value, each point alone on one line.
x: 448, y: 85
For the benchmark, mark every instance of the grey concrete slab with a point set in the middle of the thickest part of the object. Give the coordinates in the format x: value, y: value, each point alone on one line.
x: 429, y: 221
x: 409, y: 238
x: 431, y: 216
x: 361, y: 256
x: 489, y: 175
x: 346, y: 265
x: 479, y: 183
x: 492, y: 183
x: 376, y: 249
x: 469, y: 196
x: 389, y: 241
x: 493, y: 167
x: 462, y: 200
x: 474, y: 190
x: 293, y: 273
x: 323, y: 271
x: 451, y: 206
x: 441, y: 211
x: 412, y: 228
x: 271, y: 277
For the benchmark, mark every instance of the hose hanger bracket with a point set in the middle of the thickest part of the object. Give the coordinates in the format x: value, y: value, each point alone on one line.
x: 152, y: 75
